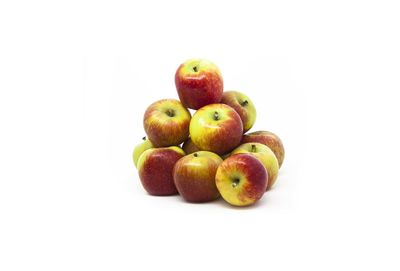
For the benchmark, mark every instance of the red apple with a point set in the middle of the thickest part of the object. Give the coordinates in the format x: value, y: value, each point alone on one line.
x: 189, y: 147
x: 155, y: 168
x: 199, y: 83
x: 216, y: 128
x: 194, y: 176
x: 266, y: 157
x: 243, y: 106
x: 241, y: 179
x: 166, y: 123
x: 269, y: 139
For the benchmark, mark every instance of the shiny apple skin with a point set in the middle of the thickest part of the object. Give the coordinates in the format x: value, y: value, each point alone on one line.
x: 194, y: 176
x: 189, y: 147
x: 198, y: 83
x: 243, y: 105
x: 155, y: 168
x: 241, y: 179
x: 166, y: 123
x: 269, y: 139
x: 216, y: 128
x: 265, y: 155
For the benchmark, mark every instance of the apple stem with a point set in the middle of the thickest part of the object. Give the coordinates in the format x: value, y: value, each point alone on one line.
x: 235, y: 182
x: 195, y: 68
x: 195, y: 154
x: 144, y: 138
x: 216, y: 117
x: 244, y: 103
x: 253, y: 148
x: 170, y: 112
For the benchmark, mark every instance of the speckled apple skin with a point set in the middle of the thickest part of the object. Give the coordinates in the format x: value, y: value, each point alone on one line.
x: 194, y: 176
x: 155, y: 170
x: 163, y: 130
x: 189, y: 147
x: 269, y: 139
x: 204, y: 87
x: 220, y: 136
x: 253, y: 179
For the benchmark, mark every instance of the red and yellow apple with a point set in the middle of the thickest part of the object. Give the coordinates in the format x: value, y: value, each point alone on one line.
x: 216, y: 128
x: 189, y: 147
x: 266, y: 157
x: 269, y: 139
x: 140, y: 148
x: 155, y: 168
x: 166, y: 123
x: 243, y: 106
x: 241, y: 179
x: 198, y: 83
x: 194, y: 176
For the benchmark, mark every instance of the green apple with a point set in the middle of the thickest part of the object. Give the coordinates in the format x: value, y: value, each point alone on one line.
x: 194, y: 176
x: 166, y: 123
x: 155, y: 168
x: 140, y: 148
x: 266, y: 157
x: 243, y: 106
x: 241, y: 179
x: 216, y: 128
x: 198, y: 83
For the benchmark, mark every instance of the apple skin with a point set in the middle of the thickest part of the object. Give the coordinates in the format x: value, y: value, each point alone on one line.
x: 140, y: 148
x: 194, y: 176
x: 266, y: 157
x: 189, y: 147
x: 166, y: 123
x: 216, y: 128
x: 198, y: 83
x: 226, y: 155
x: 241, y: 179
x: 155, y: 168
x: 243, y: 106
x: 269, y: 139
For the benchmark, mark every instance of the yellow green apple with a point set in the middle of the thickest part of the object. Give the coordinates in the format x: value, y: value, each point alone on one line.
x: 194, y: 176
x: 216, y: 128
x: 140, y: 148
x: 243, y: 106
x: 198, y: 83
x: 266, y: 157
x: 155, y: 168
x: 241, y: 179
x: 269, y: 139
x: 166, y: 123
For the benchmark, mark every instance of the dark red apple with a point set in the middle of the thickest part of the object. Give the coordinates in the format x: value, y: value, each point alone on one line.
x: 155, y: 168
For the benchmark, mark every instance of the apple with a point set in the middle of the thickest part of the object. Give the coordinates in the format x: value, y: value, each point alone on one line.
x: 243, y: 106
x: 226, y: 155
x: 155, y: 168
x: 140, y: 148
x: 216, y: 128
x: 189, y: 147
x: 198, y: 83
x: 241, y: 179
x: 166, y: 123
x: 194, y: 176
x: 266, y: 157
x: 269, y: 139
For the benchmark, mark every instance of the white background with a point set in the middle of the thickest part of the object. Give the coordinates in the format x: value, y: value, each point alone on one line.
x: 76, y: 77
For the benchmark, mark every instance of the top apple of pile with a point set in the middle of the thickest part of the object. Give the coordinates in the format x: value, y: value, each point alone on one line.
x: 198, y: 173
x: 199, y: 83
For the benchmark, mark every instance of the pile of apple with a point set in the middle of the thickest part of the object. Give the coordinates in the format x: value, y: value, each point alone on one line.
x: 216, y: 158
